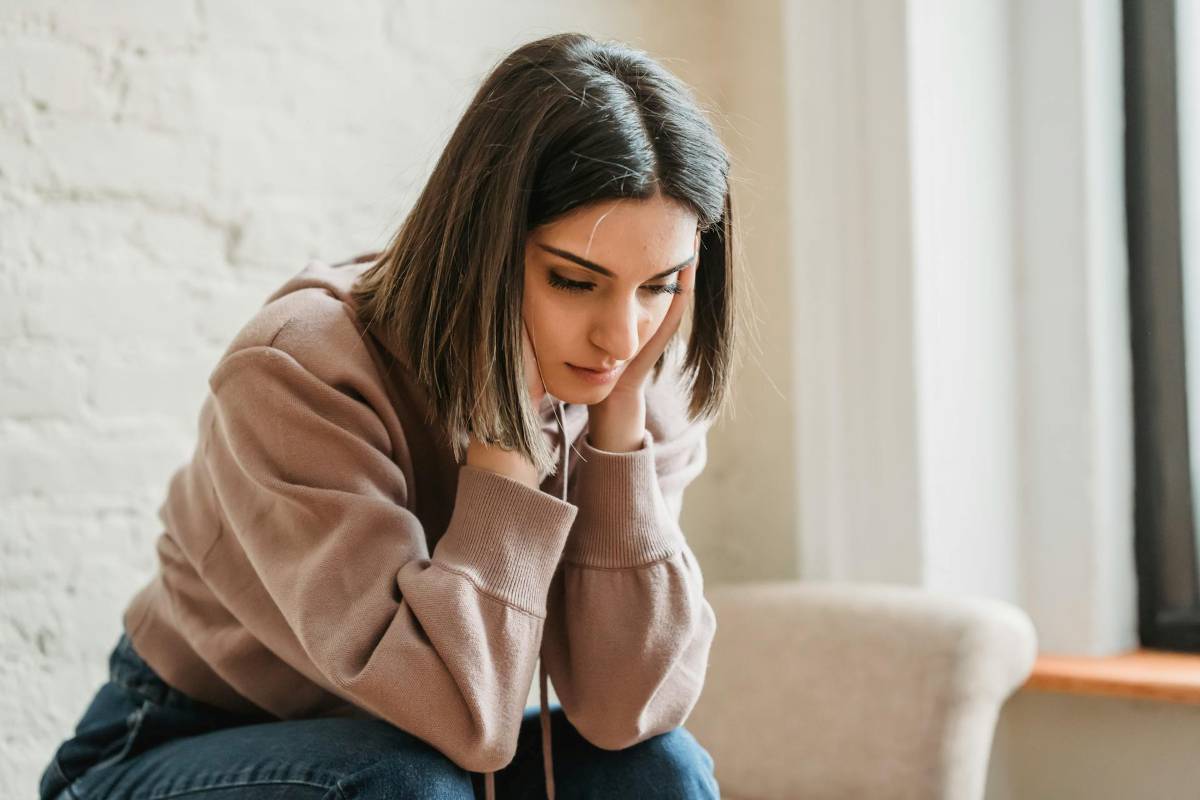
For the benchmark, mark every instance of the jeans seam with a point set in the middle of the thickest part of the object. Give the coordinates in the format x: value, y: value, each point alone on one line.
x: 131, y: 735
x: 233, y: 784
x: 124, y: 675
x: 67, y: 781
x: 120, y: 680
x: 341, y: 792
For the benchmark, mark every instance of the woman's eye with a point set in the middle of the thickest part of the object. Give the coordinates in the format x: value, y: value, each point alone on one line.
x: 566, y: 285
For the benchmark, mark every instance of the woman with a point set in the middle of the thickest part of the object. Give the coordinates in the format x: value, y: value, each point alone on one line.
x: 376, y: 539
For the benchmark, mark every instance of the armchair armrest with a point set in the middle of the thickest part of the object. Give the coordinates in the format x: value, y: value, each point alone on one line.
x: 835, y: 690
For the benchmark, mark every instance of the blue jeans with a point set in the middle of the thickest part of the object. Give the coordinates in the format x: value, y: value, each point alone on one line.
x: 141, y: 737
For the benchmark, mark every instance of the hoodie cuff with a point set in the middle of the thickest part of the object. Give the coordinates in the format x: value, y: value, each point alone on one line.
x: 623, y: 520
x: 506, y: 536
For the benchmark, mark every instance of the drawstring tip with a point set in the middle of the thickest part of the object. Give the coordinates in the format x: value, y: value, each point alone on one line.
x: 547, y: 757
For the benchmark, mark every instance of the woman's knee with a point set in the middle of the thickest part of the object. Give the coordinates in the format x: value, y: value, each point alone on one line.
x: 423, y: 779
x: 393, y: 763
x: 670, y: 765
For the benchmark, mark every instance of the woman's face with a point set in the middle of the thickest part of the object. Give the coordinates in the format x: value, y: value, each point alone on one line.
x: 596, y: 283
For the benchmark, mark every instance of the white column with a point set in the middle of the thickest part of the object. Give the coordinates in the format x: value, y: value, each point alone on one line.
x: 1076, y: 432
x: 961, y: 333
x: 959, y: 117
x: 850, y: 227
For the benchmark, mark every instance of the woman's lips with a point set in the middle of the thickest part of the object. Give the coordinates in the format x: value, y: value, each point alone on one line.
x: 594, y: 376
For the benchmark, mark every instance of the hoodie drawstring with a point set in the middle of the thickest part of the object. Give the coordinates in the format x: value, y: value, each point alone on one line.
x: 547, y: 757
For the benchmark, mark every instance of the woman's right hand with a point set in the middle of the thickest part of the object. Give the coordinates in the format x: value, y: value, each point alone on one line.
x: 510, y: 463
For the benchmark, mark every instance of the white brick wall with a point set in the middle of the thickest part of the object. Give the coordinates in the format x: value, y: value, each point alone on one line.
x: 164, y: 164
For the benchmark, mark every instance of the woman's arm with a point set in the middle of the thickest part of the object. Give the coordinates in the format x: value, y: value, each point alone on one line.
x: 628, y: 629
x: 509, y: 463
x: 441, y: 644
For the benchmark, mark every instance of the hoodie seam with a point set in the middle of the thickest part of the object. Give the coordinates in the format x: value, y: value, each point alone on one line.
x: 280, y: 330
x: 601, y: 568
x: 215, y: 500
x: 481, y: 590
x: 219, y: 374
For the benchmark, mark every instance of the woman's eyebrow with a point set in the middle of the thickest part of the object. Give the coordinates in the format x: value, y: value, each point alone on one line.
x: 594, y: 267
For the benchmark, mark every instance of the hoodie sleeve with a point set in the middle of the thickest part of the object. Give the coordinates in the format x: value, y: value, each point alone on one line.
x: 442, y: 645
x: 628, y: 628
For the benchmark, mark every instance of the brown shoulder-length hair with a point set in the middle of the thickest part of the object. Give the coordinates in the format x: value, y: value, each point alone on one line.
x: 560, y: 122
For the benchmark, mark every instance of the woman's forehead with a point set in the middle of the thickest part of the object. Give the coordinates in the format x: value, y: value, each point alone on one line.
x: 625, y: 235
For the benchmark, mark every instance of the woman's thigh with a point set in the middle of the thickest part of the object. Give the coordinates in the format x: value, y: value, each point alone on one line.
x: 670, y: 765
x: 312, y: 758
x: 140, y: 738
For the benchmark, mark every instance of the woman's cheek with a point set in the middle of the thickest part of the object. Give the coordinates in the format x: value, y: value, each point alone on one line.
x: 559, y: 325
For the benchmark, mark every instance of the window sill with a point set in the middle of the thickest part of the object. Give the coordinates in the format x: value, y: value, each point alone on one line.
x: 1142, y: 674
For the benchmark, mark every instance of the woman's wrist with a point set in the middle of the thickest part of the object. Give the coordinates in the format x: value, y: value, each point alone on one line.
x: 509, y: 463
x: 617, y: 424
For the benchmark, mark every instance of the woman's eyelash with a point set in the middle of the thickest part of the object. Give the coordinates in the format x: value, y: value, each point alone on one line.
x: 580, y: 286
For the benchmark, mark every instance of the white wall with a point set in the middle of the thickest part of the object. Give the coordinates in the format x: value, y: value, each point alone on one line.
x: 1099, y: 748
x: 741, y: 511
x: 163, y: 166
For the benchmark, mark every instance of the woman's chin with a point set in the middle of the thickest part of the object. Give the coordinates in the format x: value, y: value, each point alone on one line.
x: 579, y: 395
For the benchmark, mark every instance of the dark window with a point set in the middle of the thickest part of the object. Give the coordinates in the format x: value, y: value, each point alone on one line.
x: 1165, y: 325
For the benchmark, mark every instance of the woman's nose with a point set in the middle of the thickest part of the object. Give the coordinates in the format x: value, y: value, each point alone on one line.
x: 617, y: 332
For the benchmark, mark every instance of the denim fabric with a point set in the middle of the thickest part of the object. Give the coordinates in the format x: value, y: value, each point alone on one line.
x: 141, y: 738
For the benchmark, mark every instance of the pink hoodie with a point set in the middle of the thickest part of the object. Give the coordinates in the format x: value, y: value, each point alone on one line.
x: 323, y: 553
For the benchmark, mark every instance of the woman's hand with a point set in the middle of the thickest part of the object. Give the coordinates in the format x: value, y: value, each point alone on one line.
x: 617, y: 422
x: 511, y: 463
x: 633, y: 378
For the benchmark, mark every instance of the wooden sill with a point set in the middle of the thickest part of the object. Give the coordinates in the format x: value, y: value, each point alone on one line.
x: 1141, y: 674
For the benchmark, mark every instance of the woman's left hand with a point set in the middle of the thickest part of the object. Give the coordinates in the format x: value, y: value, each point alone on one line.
x: 632, y: 380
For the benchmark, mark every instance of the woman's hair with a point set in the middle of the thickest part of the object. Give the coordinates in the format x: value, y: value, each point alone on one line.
x: 559, y: 123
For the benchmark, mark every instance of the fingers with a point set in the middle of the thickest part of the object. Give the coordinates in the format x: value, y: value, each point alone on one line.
x: 687, y: 280
x: 674, y: 318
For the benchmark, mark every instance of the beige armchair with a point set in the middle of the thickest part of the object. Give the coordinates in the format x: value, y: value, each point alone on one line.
x: 856, y: 690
